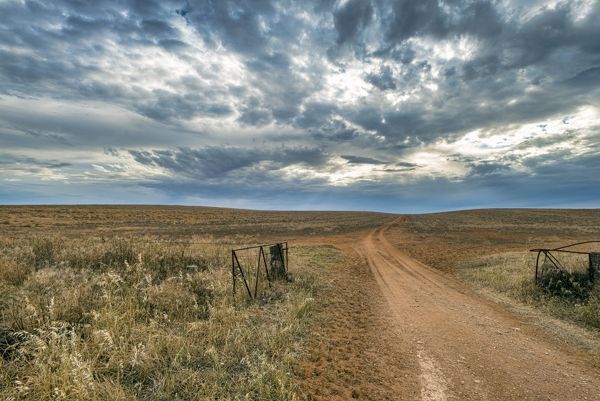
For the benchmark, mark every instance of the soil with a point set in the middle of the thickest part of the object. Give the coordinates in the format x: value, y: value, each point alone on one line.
x: 395, y: 328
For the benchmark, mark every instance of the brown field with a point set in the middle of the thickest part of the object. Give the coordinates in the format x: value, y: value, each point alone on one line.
x: 133, y: 303
x: 171, y: 222
x: 444, y: 240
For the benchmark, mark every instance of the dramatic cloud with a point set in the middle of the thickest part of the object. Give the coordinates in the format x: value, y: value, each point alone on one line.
x: 350, y: 18
x: 363, y: 104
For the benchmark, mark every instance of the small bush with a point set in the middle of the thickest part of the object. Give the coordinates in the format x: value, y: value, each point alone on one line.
x: 118, y: 252
x: 44, y: 251
x: 589, y: 313
x: 574, y: 286
x: 13, y: 271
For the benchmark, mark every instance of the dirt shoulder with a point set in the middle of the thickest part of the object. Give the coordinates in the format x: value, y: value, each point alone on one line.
x: 353, y: 352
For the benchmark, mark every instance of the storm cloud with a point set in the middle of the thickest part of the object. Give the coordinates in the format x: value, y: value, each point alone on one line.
x: 361, y: 104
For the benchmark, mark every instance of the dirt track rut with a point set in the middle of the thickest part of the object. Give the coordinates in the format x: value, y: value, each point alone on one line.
x: 469, y: 348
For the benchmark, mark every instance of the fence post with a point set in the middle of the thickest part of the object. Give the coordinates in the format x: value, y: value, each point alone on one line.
x: 233, y: 271
x: 277, y: 262
x: 594, y: 265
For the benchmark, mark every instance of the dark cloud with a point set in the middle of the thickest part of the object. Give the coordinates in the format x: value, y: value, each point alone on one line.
x: 9, y: 160
x: 173, y: 44
x: 226, y: 95
x: 30, y: 166
x: 410, y: 18
x: 486, y: 168
x: 165, y: 105
x: 406, y: 164
x: 316, y: 114
x: 281, y: 88
x: 157, y: 28
x: 336, y: 131
x: 216, y: 162
x: 254, y: 113
x: 384, y: 79
x: 236, y: 24
x: 442, y: 19
x: 361, y: 160
x: 587, y: 78
x: 351, y: 18
x: 480, y: 19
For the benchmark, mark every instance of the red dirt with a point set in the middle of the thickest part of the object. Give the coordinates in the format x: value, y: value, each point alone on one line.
x: 399, y: 329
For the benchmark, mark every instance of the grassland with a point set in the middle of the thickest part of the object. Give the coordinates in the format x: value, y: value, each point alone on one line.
x: 490, y: 250
x: 175, y: 222
x: 133, y: 303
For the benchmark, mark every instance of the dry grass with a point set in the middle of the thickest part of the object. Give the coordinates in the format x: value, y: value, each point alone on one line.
x: 510, y: 274
x: 129, y: 319
x: 133, y: 302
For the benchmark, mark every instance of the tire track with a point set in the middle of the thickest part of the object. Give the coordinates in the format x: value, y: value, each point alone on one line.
x: 468, y: 348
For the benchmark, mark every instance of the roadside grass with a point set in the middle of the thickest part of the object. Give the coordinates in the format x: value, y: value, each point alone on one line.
x: 131, y: 319
x: 512, y: 274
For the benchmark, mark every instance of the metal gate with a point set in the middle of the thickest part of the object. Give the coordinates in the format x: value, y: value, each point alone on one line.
x: 553, y: 261
x: 256, y: 267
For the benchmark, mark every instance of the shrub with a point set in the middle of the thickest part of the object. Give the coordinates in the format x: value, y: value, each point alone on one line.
x: 575, y: 286
x: 13, y: 271
x: 43, y: 252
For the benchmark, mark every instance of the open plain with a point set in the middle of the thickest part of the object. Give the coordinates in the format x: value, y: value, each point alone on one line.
x: 100, y: 302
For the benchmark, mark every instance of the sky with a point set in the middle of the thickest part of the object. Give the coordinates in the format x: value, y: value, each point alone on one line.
x: 399, y: 106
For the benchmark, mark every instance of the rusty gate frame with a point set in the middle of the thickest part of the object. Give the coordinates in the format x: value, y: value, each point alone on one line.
x: 262, y: 259
x: 554, y: 260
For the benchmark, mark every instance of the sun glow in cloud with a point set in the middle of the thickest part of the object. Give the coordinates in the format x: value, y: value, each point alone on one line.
x: 346, y: 85
x: 557, y: 132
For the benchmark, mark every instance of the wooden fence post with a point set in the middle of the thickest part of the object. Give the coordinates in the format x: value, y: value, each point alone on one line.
x: 594, y: 265
x: 278, y: 268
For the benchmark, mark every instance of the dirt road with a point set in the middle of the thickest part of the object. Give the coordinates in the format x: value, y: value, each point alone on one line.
x: 468, y: 348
